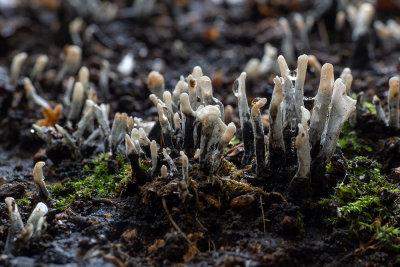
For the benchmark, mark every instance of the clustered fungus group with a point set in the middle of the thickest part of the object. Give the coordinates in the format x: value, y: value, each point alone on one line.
x: 195, y: 128
x: 18, y: 234
x: 316, y: 134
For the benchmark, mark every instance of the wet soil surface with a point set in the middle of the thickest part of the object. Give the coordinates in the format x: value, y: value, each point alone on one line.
x: 219, y: 227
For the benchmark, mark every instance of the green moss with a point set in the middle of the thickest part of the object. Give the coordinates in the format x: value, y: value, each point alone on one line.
x: 370, y: 107
x: 357, y: 202
x: 24, y: 201
x: 351, y: 144
x: 102, y: 181
x: 234, y: 141
x: 145, y: 165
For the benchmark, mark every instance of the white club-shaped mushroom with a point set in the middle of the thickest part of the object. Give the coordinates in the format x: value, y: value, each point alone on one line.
x: 168, y: 100
x: 303, y: 153
x: 380, y: 113
x: 181, y: 87
x: 394, y: 97
x: 363, y: 20
x: 303, y: 146
x: 287, y: 41
x: 32, y: 95
x: 342, y: 107
x: 212, y: 128
x: 166, y: 128
x: 239, y: 90
x: 69, y: 141
x: 177, y: 121
x: 205, y: 85
x: 185, y: 166
x: 38, y: 68
x: 226, y: 137
x: 16, y: 224
x: 155, y: 83
x: 170, y: 161
x: 118, y: 130
x: 268, y: 60
x: 197, y: 72
x: 164, y: 172
x: 154, y: 155
x: 347, y: 78
x: 78, y: 97
x: 37, y: 220
x: 86, y: 119
x: 16, y: 66
x: 251, y: 69
x: 288, y: 104
x: 321, y: 104
x: 259, y: 139
x: 83, y: 75
x: 104, y: 76
x: 276, y: 142
x: 302, y: 62
x: 72, y: 61
x: 39, y: 179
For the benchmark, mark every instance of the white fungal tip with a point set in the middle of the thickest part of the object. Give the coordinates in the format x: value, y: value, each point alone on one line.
x: 376, y: 99
x: 283, y: 67
x: 73, y: 55
x: 185, y: 104
x: 229, y: 133
x: 161, y: 115
x: 181, y: 85
x: 197, y: 153
x: 155, y: 79
x: 29, y: 89
x: 41, y: 61
x: 393, y: 86
x: 78, y: 93
x: 197, y: 72
x: 206, y: 86
x: 252, y: 67
x: 76, y: 25
x: 129, y: 146
x: 177, y: 121
x: 164, y: 172
x: 167, y: 100
x: 84, y: 75
x: 185, y: 160
x: 153, y: 149
x: 327, y: 78
x: 257, y: 105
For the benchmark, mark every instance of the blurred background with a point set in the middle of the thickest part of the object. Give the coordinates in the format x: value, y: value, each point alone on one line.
x: 224, y: 37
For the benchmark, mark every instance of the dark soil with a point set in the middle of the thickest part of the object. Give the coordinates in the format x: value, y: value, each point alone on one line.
x: 219, y: 225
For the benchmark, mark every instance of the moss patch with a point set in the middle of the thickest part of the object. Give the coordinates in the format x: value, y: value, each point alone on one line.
x: 366, y: 203
x: 351, y: 144
x: 104, y: 178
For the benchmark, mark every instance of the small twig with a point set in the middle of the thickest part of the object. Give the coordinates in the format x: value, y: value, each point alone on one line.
x: 114, y: 260
x: 262, y: 213
x: 105, y: 201
x: 177, y: 228
x: 200, y: 224
x: 209, y: 246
